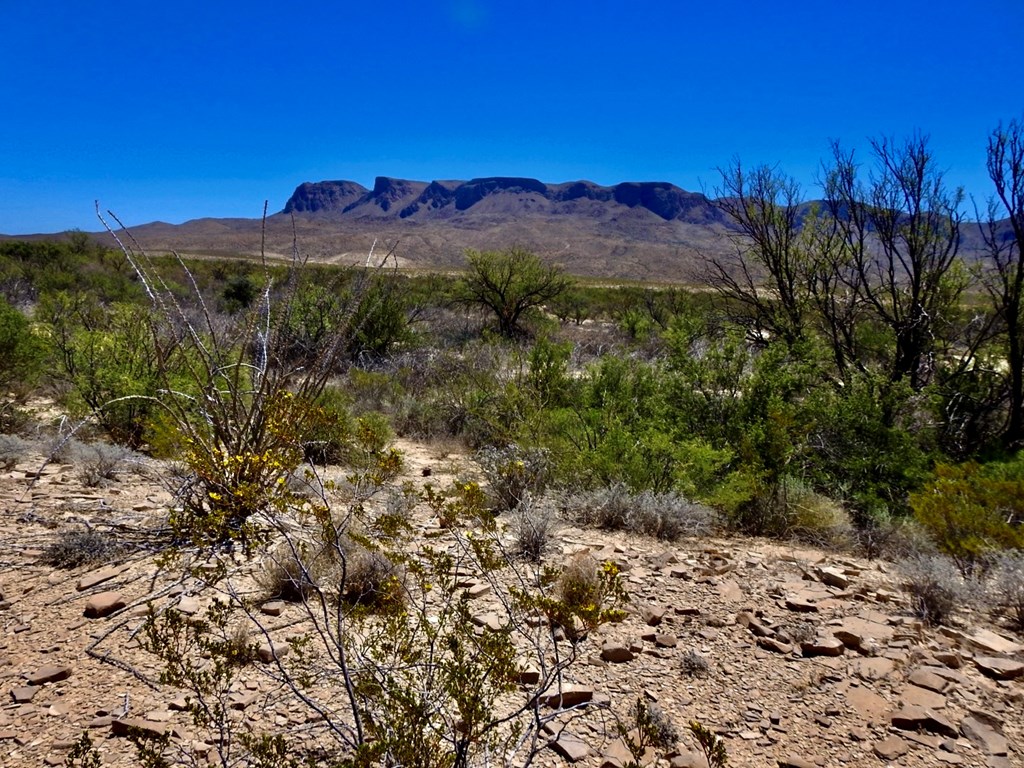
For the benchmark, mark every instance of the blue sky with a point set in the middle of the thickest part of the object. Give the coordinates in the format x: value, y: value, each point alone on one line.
x: 172, y: 111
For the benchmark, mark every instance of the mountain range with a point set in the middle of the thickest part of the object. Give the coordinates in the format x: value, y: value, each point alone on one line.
x: 631, y: 231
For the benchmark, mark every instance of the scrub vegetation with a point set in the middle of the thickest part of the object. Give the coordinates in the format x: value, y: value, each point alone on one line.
x: 846, y: 376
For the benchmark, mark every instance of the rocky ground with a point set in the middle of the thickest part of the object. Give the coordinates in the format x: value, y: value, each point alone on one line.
x: 812, y: 658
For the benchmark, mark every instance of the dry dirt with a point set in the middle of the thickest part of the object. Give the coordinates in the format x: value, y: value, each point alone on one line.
x: 894, y: 693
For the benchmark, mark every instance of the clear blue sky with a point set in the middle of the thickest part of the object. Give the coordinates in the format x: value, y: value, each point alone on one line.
x: 171, y: 111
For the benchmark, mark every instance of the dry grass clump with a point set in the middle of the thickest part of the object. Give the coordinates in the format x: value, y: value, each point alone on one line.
x: 82, y: 546
x: 694, y: 665
x: 1007, y: 585
x: 666, y: 516
x: 13, y: 449
x: 349, y: 572
x: 533, y: 526
x: 293, y: 571
x: 935, y: 587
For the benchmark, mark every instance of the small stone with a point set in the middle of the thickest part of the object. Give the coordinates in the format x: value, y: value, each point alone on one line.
x: 121, y: 727
x: 528, y: 676
x: 615, y: 653
x: 273, y: 608
x: 188, y: 605
x: 652, y: 615
x: 664, y: 640
x: 891, y: 748
x: 801, y: 605
x: 688, y: 760
x: 268, y: 652
x: 91, y: 580
x: 776, y: 646
x: 104, y: 604
x: 834, y: 578
x: 927, y: 679
x: 570, y: 696
x: 823, y: 646
x: 796, y: 762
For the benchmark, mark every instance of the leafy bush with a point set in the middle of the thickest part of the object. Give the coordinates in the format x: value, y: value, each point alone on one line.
x: 666, y: 516
x: 970, y: 511
x: 21, y: 353
x: 78, y: 546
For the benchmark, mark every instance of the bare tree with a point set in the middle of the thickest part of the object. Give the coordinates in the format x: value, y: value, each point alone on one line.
x: 1004, y: 279
x: 768, y: 279
x: 902, y: 233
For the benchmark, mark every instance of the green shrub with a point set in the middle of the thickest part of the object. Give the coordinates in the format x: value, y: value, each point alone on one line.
x: 970, y: 510
x: 21, y: 352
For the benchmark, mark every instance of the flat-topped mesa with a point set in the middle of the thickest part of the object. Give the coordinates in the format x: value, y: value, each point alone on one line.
x: 402, y: 198
x: 327, y: 196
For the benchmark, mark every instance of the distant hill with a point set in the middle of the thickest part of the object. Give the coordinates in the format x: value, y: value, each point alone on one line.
x: 634, y: 230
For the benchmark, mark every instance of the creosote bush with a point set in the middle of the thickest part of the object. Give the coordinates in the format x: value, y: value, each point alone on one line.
x: 513, y: 472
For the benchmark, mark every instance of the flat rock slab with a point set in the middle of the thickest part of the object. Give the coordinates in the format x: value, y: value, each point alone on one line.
x: 51, y: 673
x: 95, y: 578
x: 104, y: 604
x: 917, y: 696
x: 984, y: 736
x: 914, y: 718
x: 570, y: 696
x: 572, y: 748
x: 122, y: 727
x: 24, y: 694
x: 998, y: 668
